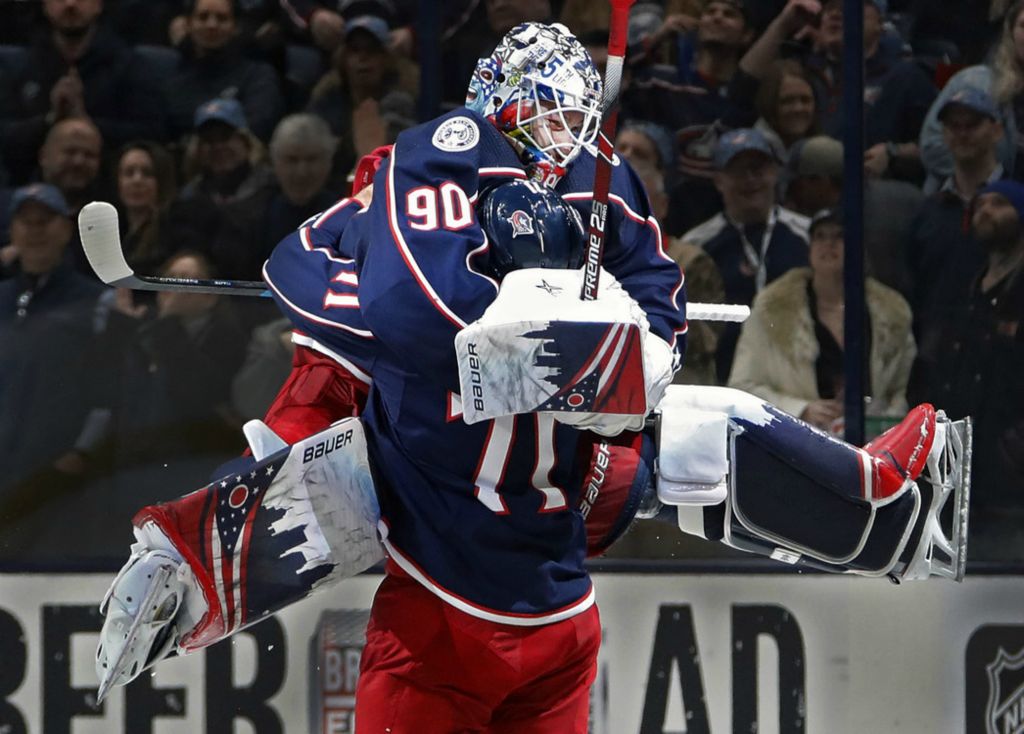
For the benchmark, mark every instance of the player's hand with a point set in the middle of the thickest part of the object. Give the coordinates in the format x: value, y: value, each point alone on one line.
x: 326, y: 27
x: 822, y: 413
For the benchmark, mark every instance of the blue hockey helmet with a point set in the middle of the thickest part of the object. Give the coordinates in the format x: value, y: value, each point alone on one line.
x: 529, y: 226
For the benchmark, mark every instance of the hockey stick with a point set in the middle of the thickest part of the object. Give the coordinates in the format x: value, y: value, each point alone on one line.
x: 101, y: 240
x: 605, y: 147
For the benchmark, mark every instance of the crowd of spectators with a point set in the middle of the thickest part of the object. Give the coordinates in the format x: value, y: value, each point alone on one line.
x: 217, y: 126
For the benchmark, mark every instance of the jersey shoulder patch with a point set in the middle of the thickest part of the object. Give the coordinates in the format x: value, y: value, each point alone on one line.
x: 455, y: 134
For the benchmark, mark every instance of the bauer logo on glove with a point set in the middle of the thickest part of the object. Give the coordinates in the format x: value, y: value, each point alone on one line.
x: 540, y: 348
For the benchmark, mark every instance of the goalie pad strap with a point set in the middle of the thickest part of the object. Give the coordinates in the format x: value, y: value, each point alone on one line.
x: 692, y: 456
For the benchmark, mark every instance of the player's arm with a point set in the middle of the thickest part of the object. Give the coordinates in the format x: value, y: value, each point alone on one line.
x: 415, y: 246
x: 315, y: 284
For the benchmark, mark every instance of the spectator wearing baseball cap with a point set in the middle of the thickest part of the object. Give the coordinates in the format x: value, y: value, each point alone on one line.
x: 228, y: 159
x: 41, y: 228
x: 46, y: 194
x: 791, y: 348
x: 368, y: 97
x: 226, y: 163
x: 213, y: 65
x: 753, y: 240
x: 941, y: 252
x: 976, y: 370
x: 967, y: 85
x: 813, y: 177
x: 50, y: 316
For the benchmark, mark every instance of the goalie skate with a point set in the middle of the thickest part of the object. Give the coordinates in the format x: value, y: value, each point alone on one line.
x: 140, y: 607
x: 942, y: 546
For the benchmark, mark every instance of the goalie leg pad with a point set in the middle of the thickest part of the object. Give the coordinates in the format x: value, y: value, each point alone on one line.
x: 801, y: 489
x: 303, y: 517
x: 792, y: 491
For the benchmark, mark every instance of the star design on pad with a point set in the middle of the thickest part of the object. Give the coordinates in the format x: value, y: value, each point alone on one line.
x: 551, y: 290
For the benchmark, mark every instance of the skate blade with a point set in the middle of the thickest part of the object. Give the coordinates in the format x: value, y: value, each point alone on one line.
x: 944, y: 552
x: 131, y: 654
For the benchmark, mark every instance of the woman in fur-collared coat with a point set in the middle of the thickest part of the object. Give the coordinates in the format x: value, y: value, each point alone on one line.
x: 790, y: 352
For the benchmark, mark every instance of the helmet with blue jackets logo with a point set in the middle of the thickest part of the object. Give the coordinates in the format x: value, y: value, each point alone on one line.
x: 529, y: 226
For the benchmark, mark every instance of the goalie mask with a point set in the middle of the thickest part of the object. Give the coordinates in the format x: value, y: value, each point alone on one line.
x: 529, y: 226
x: 541, y: 89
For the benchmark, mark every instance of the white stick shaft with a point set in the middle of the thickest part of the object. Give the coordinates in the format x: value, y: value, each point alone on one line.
x: 716, y: 312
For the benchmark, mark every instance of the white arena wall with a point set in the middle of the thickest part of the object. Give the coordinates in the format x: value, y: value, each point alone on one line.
x: 693, y: 653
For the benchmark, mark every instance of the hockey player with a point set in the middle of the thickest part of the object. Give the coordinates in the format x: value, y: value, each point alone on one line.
x: 478, y: 520
x: 485, y: 620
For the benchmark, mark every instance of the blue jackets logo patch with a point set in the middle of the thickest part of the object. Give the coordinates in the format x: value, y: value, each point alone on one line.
x: 521, y: 223
x: 458, y: 133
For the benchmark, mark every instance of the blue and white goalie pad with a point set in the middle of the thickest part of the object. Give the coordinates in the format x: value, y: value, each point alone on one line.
x: 742, y: 472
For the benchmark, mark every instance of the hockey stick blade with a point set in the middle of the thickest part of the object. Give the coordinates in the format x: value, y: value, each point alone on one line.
x: 101, y: 240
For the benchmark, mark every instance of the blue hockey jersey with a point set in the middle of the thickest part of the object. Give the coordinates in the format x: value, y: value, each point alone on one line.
x: 484, y: 515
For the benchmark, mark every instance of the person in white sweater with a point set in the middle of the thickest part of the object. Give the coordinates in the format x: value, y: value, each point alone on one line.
x: 790, y: 351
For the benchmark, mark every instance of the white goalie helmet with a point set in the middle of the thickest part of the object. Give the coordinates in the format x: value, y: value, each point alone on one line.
x: 540, y: 87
